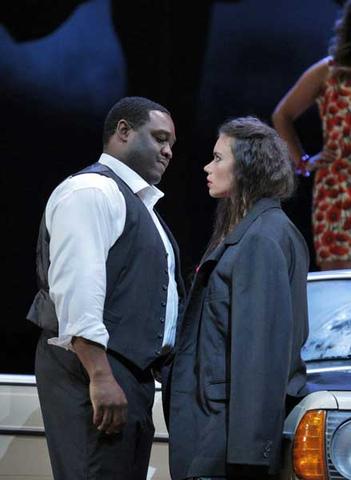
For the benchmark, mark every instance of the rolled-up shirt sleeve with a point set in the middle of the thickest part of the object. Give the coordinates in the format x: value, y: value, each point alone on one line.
x: 84, y: 218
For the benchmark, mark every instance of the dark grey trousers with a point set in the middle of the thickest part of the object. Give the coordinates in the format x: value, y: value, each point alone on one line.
x: 78, y: 451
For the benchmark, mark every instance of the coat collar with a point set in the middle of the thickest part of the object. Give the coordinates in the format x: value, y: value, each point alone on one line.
x: 237, y: 233
x: 207, y: 266
x: 260, y: 207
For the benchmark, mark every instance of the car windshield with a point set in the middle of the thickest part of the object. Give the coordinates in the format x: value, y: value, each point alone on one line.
x: 329, y: 309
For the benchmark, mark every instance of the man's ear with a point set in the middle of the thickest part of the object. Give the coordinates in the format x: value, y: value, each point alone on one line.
x: 123, y: 129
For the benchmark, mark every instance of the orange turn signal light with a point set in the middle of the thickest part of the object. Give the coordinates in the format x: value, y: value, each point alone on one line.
x: 308, y: 447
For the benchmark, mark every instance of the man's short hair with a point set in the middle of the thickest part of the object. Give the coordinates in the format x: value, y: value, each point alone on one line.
x: 135, y: 110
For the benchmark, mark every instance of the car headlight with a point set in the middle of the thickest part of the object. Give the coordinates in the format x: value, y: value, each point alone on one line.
x: 340, y: 449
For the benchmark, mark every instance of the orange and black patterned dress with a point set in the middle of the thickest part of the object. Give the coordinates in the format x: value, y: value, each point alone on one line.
x: 331, y: 216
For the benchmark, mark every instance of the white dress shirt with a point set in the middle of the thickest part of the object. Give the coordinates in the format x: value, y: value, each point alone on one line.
x: 85, y: 215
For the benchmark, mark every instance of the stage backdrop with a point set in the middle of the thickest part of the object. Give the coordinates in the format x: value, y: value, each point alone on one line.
x: 61, y: 70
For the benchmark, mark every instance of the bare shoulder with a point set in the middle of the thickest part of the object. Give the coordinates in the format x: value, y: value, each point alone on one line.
x: 313, y: 78
x: 319, y: 69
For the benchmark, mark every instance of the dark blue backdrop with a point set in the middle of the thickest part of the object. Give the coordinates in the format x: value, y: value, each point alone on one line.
x: 59, y: 79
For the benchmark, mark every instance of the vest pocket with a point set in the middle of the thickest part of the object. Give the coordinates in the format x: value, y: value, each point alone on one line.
x: 111, y: 321
x: 111, y: 317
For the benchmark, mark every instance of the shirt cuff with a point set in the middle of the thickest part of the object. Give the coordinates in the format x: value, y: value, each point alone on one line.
x: 97, y: 334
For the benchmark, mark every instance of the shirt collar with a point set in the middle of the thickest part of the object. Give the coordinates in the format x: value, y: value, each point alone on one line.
x: 148, y: 193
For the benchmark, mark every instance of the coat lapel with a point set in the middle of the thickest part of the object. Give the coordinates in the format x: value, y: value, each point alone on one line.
x: 234, y: 237
x: 260, y: 207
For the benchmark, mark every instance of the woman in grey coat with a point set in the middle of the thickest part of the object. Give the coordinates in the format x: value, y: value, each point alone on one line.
x: 238, y: 366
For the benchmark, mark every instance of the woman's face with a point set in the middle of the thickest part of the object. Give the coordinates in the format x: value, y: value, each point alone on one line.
x: 220, y: 172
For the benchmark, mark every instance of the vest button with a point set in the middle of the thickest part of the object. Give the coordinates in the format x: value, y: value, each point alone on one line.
x: 162, y: 320
x: 164, y: 287
x: 163, y: 303
x: 159, y: 335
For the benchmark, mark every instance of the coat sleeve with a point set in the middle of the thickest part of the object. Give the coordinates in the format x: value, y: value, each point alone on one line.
x: 261, y: 342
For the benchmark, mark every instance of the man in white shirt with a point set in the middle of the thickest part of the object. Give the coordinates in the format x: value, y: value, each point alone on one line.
x: 110, y: 296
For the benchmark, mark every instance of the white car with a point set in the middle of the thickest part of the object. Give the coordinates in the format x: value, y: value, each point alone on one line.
x: 317, y: 432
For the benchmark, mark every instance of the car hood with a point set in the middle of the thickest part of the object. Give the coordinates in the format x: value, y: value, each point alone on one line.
x: 329, y: 375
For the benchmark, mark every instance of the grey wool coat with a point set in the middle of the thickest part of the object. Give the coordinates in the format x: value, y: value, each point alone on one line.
x: 239, y: 350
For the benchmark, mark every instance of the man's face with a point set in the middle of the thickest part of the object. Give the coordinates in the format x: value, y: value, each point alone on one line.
x: 150, y: 147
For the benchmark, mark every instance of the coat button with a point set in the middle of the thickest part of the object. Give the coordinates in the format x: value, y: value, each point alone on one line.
x: 158, y: 352
x: 163, y: 303
x: 164, y: 287
x: 162, y: 320
x: 268, y: 446
x: 159, y: 335
x: 166, y: 271
x: 265, y: 454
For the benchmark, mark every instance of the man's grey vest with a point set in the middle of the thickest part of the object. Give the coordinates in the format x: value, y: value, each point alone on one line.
x: 137, y: 282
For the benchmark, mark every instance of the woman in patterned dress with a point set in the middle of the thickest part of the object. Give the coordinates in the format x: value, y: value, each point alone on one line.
x: 328, y: 83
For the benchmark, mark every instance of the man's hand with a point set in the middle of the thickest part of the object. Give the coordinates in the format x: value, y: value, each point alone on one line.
x: 109, y: 403
x: 107, y: 397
